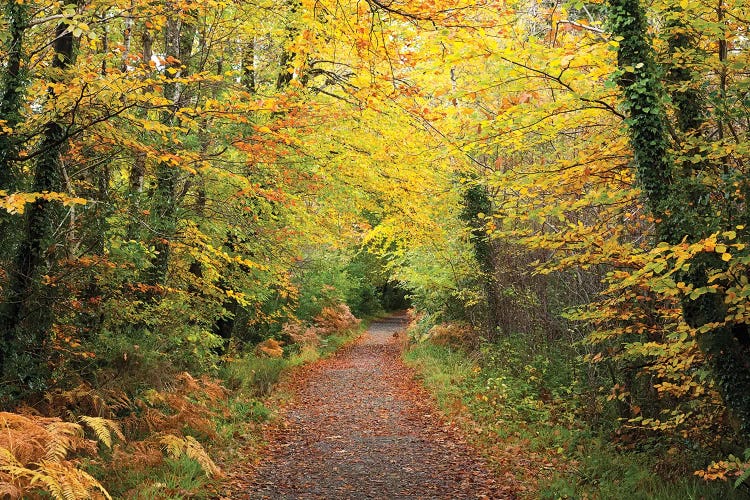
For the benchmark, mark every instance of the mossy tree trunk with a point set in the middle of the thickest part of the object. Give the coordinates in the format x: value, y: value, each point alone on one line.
x: 12, y: 87
x: 670, y: 192
x: 27, y: 312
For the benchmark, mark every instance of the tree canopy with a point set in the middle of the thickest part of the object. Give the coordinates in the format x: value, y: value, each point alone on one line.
x: 181, y: 180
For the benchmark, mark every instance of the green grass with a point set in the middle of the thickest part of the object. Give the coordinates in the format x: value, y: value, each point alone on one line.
x: 501, y: 390
x: 252, y: 380
x: 174, y: 479
x: 178, y: 479
x: 253, y: 374
x: 257, y: 376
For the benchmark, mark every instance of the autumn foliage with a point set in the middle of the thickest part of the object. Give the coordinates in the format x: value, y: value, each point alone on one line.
x: 43, y: 455
x: 192, y: 187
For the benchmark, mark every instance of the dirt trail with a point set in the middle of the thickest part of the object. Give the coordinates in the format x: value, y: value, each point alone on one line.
x: 360, y: 427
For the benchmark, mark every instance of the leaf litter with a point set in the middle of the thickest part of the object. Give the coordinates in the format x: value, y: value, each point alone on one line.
x: 360, y: 426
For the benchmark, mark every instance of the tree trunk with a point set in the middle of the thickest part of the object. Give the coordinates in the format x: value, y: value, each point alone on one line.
x: 476, y: 201
x: 12, y: 87
x: 27, y: 311
x: 179, y: 38
x: 248, y: 67
x: 285, y: 61
x: 669, y: 200
x: 137, y: 172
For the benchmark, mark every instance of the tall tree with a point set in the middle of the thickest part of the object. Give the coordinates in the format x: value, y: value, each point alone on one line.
x: 477, y: 208
x: 670, y: 194
x: 12, y: 85
x: 137, y: 172
x: 26, y: 314
x: 179, y: 36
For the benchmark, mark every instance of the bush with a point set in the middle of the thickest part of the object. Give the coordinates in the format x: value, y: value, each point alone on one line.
x: 300, y: 333
x: 455, y: 334
x: 322, y: 282
x: 524, y: 401
x: 335, y: 319
x: 269, y: 348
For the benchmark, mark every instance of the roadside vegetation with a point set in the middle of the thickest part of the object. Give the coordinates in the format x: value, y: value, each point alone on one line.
x: 196, y: 196
x: 532, y: 413
x: 159, y: 443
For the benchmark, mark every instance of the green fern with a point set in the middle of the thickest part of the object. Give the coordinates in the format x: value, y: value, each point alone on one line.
x: 746, y: 473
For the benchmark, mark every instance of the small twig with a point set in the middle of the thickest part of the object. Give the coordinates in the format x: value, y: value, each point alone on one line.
x: 593, y: 29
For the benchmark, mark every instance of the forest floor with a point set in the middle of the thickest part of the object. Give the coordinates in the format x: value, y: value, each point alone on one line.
x: 360, y: 426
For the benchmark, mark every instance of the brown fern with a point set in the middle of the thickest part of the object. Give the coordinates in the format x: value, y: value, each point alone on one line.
x: 269, y: 348
x: 335, y: 319
x: 34, y: 458
x: 80, y: 399
x: 176, y: 447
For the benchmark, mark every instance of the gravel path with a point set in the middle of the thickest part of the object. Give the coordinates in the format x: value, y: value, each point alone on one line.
x: 361, y: 427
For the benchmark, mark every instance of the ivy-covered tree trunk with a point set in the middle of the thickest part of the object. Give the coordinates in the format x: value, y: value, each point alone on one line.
x: 670, y: 193
x: 12, y: 86
x: 647, y: 122
x: 477, y: 201
x: 26, y: 314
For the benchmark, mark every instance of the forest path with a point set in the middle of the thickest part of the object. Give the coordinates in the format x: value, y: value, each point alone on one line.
x: 361, y: 427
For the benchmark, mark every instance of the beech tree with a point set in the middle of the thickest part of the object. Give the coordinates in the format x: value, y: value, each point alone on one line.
x: 182, y: 180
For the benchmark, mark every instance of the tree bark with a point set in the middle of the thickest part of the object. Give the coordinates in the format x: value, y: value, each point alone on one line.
x: 669, y: 200
x: 285, y: 76
x: 27, y: 310
x: 248, y: 67
x: 179, y: 37
x: 12, y: 88
x: 477, y: 200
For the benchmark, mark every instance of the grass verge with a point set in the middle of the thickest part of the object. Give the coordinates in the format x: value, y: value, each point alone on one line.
x: 168, y: 455
x: 529, y: 429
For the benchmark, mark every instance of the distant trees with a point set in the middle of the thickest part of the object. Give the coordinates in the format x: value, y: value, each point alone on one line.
x: 163, y: 170
x: 598, y: 179
x: 180, y: 177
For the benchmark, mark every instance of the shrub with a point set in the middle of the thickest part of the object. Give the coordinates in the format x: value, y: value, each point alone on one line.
x: 269, y: 348
x: 454, y: 334
x: 334, y: 319
x: 300, y: 334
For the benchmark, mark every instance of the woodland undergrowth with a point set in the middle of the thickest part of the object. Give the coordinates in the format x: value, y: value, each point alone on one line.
x: 165, y: 442
x: 185, y: 186
x: 530, y: 413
